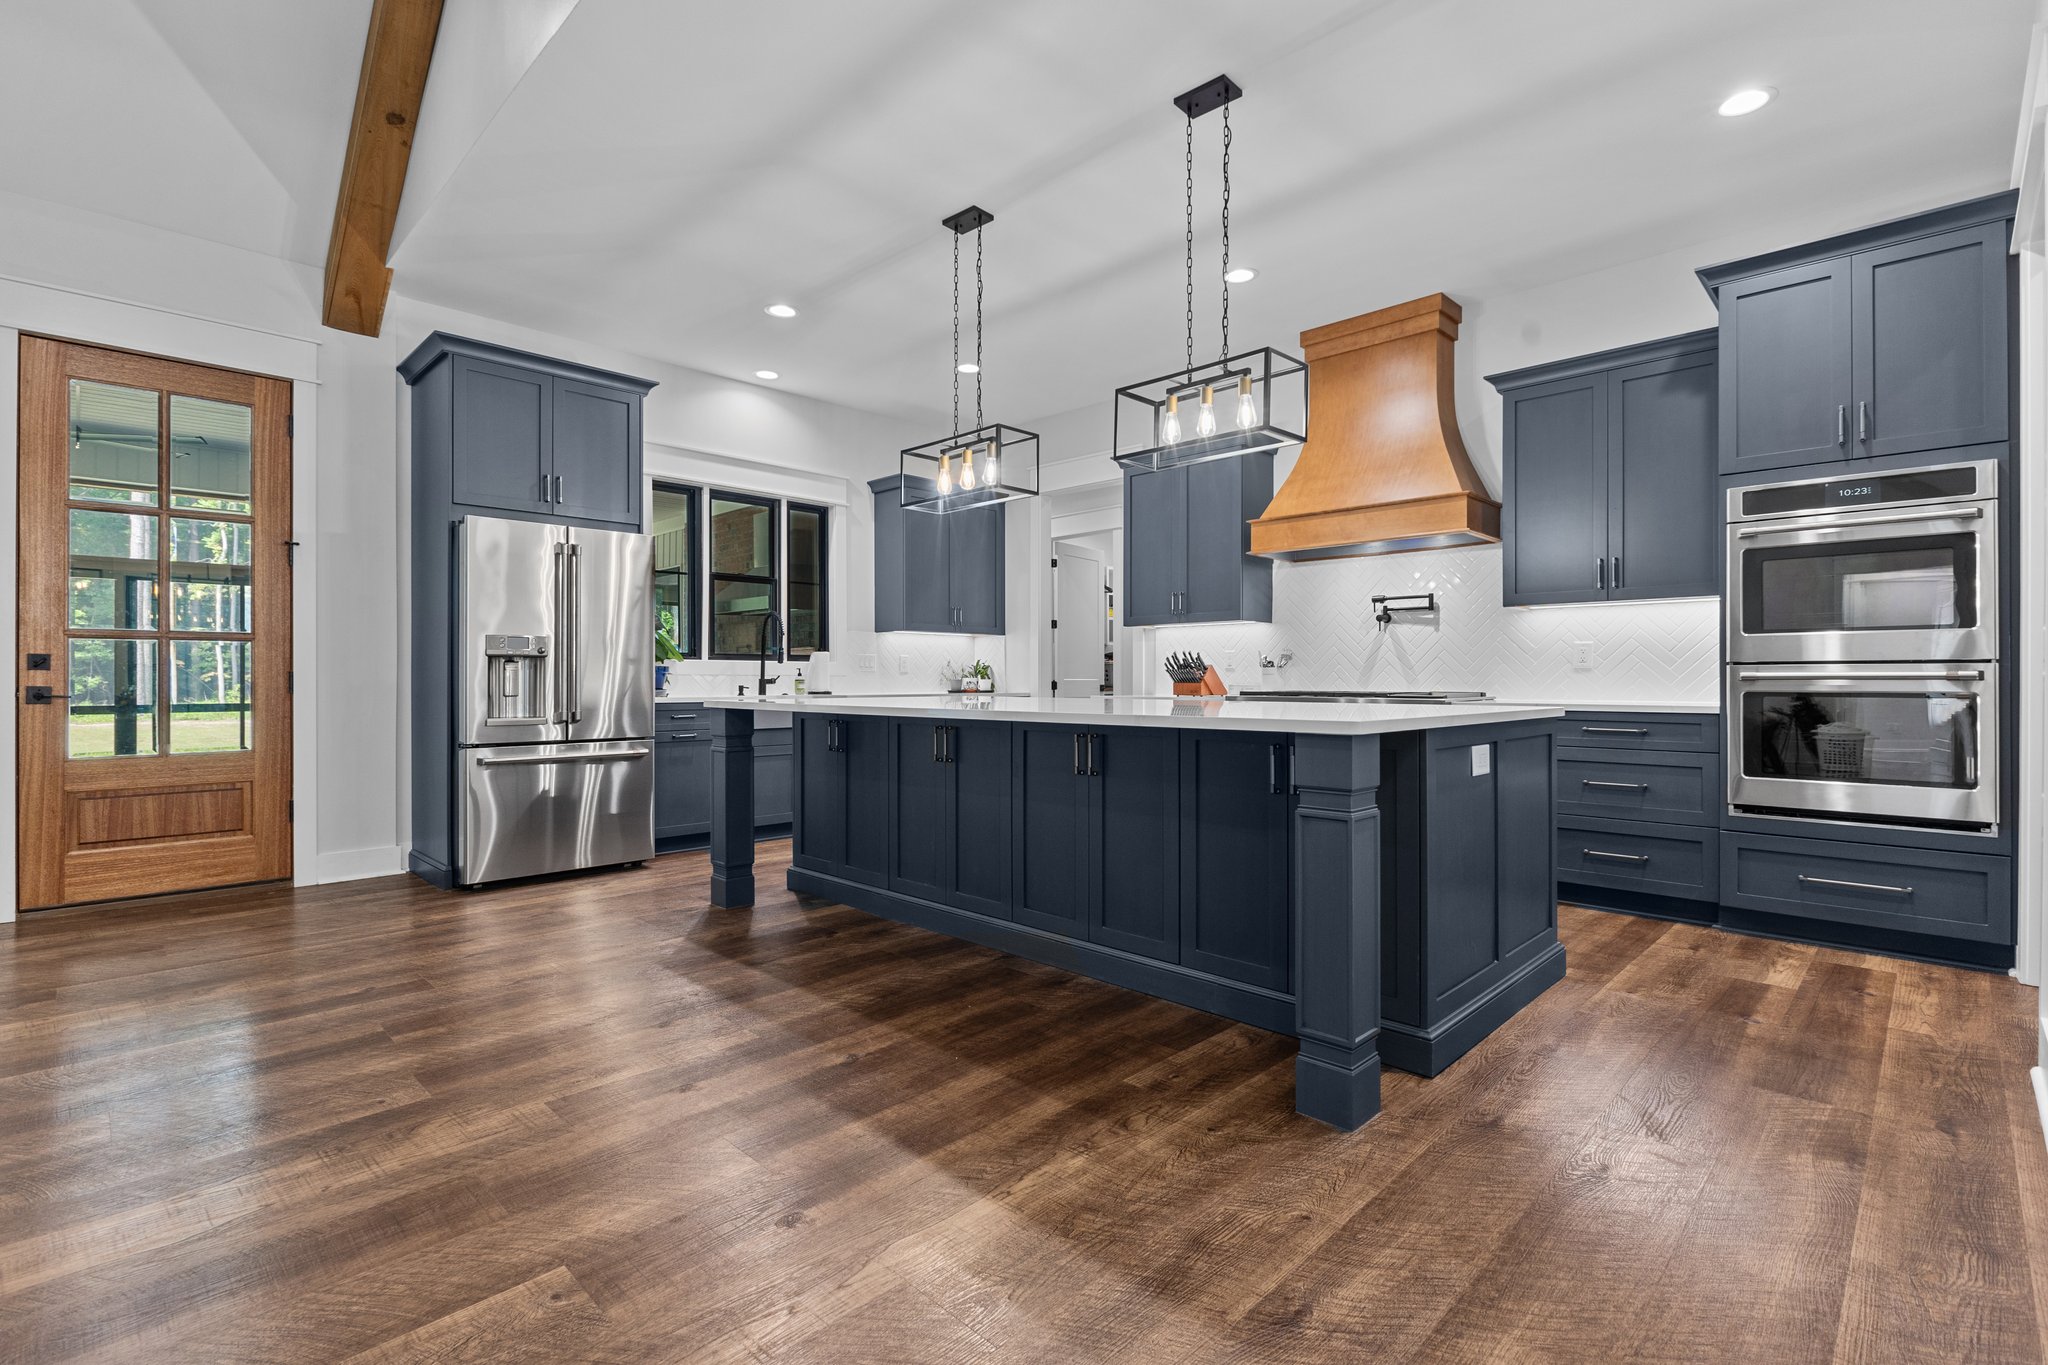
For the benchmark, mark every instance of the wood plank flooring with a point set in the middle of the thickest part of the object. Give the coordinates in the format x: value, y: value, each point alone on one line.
x: 594, y: 1120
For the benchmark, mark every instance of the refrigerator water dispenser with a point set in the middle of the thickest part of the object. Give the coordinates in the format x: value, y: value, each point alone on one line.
x: 517, y: 665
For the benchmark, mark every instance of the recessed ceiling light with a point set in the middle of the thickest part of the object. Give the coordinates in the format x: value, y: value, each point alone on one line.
x: 779, y: 310
x: 1746, y: 101
x: 968, y: 367
x: 766, y: 374
x: 1241, y: 274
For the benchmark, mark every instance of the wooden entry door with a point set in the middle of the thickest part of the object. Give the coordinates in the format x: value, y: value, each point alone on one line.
x: 154, y: 706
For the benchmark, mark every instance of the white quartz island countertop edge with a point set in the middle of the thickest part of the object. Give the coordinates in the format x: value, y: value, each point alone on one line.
x: 1209, y: 713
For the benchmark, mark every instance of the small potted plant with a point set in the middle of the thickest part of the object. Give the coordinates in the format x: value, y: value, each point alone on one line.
x: 665, y: 650
x: 984, y: 677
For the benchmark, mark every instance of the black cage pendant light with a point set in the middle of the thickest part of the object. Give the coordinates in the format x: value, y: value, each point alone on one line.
x: 988, y: 462
x: 1233, y: 405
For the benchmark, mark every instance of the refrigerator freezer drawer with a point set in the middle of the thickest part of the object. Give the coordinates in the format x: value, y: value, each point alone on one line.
x: 534, y: 808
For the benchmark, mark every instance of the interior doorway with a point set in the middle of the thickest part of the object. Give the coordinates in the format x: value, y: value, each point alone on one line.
x: 1084, y: 615
x: 153, y: 649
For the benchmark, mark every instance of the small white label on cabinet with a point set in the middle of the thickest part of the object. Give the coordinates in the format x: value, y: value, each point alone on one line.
x: 1482, y: 759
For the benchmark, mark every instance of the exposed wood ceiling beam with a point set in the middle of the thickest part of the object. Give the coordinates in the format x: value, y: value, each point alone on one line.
x: 396, y: 56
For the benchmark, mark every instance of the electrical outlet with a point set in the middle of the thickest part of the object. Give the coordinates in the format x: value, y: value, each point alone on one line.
x: 867, y: 663
x: 1580, y: 653
x: 902, y: 663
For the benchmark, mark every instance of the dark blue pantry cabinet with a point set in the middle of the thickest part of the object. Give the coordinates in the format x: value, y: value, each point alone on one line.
x: 938, y: 572
x: 1890, y: 340
x: 503, y: 433
x: 1610, y: 489
x: 1187, y: 542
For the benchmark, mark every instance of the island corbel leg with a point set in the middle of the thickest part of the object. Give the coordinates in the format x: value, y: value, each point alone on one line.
x: 1336, y: 915
x: 732, y: 808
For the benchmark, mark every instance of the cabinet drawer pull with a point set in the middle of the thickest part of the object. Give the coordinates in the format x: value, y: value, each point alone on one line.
x: 1077, y: 755
x: 1093, y: 771
x: 1612, y: 730
x: 1856, y: 886
x: 938, y: 735
x: 1617, y: 786
x: 1637, y: 858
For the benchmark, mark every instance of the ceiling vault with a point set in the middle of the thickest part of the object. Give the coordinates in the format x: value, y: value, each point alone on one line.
x: 396, y: 55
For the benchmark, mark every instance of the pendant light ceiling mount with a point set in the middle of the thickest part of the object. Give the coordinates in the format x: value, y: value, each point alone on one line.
x: 1265, y: 391
x: 943, y: 475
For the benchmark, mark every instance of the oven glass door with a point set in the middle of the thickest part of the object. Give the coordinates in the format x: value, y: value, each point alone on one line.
x: 1900, y: 587
x: 1906, y: 745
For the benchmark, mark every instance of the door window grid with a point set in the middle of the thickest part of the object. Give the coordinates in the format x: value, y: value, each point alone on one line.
x: 138, y: 675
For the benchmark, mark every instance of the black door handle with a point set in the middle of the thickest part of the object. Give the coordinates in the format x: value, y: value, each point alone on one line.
x: 36, y: 694
x: 938, y: 734
x: 1093, y: 771
x: 1077, y: 754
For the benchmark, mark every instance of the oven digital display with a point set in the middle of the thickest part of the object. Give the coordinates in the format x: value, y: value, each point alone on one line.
x: 1918, y: 485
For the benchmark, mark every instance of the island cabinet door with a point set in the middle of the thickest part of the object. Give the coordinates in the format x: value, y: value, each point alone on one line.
x: 922, y: 810
x: 1051, y: 845
x: 1235, y: 824
x: 864, y: 758
x: 818, y: 841
x: 1134, y: 815
x: 977, y: 763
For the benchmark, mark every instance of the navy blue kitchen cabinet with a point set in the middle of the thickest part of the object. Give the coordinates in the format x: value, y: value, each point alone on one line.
x: 505, y: 433
x: 682, y: 777
x: 938, y: 572
x: 949, y: 836
x: 1187, y: 542
x: 1890, y: 340
x: 1236, y: 809
x: 841, y: 797
x: 1610, y: 475
x: 773, y: 783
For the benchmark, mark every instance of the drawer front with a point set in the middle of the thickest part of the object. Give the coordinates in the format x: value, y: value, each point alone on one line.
x: 1674, y: 788
x: 1912, y: 890
x: 1664, y: 860
x: 1619, y: 730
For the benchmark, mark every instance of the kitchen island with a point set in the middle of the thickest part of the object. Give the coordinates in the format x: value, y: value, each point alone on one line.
x: 1373, y: 880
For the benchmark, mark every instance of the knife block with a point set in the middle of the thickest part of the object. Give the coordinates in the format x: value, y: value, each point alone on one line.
x: 1209, y: 685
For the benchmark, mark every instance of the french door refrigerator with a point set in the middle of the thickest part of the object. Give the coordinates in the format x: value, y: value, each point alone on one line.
x: 555, y: 698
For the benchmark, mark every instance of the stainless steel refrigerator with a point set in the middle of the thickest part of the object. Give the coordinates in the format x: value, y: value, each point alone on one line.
x: 555, y: 698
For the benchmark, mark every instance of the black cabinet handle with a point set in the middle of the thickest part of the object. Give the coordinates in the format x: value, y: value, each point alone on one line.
x: 1636, y: 858
x: 1856, y: 886
x: 1600, y: 572
x: 1093, y: 771
x: 1617, y: 786
x: 1077, y: 754
x: 558, y: 488
x: 1617, y: 573
x: 952, y: 733
x: 938, y: 736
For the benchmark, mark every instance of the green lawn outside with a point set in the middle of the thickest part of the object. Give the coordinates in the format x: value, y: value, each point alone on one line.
x: 192, y: 732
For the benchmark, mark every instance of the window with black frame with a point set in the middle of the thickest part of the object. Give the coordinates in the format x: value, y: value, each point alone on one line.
x: 743, y: 573
x: 806, y: 592
x: 676, y: 605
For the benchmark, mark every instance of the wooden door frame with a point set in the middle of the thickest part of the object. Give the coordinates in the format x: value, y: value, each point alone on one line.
x: 97, y: 321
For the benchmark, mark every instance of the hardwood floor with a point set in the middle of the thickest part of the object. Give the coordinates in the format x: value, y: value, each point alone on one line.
x: 595, y: 1120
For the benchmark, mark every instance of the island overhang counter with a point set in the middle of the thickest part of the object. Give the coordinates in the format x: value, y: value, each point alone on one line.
x: 1374, y: 880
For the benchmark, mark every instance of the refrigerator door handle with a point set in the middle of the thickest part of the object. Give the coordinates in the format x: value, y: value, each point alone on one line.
x: 538, y: 760
x: 558, y: 708
x: 573, y: 627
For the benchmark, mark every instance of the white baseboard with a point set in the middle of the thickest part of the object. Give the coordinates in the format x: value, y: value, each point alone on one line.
x: 2040, y: 1097
x: 352, y: 864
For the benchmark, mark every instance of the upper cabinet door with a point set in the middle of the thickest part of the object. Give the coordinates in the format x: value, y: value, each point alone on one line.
x: 927, y: 570
x: 1155, y: 546
x: 596, y: 443
x: 1930, y: 343
x: 1785, y: 382
x: 1554, y: 517
x: 503, y: 428
x: 1661, y: 483
x: 1218, y: 539
x: 976, y: 555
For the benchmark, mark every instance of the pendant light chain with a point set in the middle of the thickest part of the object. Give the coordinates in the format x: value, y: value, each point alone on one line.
x: 1226, y: 232
x: 977, y: 330
x: 956, y: 331
x: 1191, y: 246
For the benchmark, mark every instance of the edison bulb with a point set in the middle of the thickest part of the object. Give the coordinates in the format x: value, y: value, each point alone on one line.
x: 1247, y: 406
x: 1205, y: 416
x: 1169, y: 425
x: 991, y: 472
x: 967, y: 469
x: 945, y: 474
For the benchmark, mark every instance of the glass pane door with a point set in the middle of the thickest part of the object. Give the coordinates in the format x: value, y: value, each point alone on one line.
x: 1883, y: 736
x: 1926, y: 582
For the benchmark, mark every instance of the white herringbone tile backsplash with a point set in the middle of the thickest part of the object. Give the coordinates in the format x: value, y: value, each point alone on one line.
x: 1640, y: 651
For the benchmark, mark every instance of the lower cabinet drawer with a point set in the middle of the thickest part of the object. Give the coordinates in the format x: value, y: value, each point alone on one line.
x: 1680, y: 788
x: 1912, y: 890
x: 1663, y: 860
x: 1696, y: 731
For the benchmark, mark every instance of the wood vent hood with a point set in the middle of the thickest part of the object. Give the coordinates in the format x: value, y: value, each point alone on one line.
x: 1383, y: 469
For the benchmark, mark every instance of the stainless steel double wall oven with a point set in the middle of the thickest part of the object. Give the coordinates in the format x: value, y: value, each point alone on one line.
x: 1862, y: 639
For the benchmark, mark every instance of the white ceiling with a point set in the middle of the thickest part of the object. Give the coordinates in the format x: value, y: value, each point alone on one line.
x: 664, y: 168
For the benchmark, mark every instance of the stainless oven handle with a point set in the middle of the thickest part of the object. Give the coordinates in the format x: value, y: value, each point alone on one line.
x: 1888, y: 519
x: 536, y: 760
x: 1947, y: 675
x: 1856, y: 886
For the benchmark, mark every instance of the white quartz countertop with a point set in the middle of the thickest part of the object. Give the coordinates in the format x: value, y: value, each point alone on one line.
x: 1209, y: 713
x: 1648, y: 708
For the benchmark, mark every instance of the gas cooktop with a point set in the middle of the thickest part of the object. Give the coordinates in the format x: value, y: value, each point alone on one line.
x: 1391, y: 698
